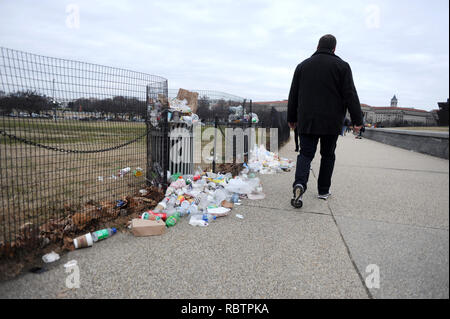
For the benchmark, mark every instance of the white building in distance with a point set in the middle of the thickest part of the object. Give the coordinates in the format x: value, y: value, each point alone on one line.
x: 392, y: 115
x: 397, y: 115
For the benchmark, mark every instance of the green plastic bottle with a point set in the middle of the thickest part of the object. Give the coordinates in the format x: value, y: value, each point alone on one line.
x: 172, y: 220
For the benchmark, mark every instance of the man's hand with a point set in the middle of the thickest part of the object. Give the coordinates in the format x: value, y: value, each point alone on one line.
x: 357, y: 128
x: 292, y: 125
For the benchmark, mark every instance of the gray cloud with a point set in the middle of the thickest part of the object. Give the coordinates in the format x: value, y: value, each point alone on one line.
x: 247, y: 48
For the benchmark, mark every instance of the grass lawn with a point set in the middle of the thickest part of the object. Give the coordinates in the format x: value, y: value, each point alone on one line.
x: 37, y: 183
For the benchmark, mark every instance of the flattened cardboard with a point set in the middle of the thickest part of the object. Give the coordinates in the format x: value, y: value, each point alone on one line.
x: 190, y: 97
x: 142, y: 227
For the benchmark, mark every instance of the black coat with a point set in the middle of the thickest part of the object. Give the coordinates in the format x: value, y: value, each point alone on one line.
x: 322, y: 91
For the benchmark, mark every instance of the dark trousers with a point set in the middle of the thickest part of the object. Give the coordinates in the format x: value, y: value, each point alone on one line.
x: 308, y: 147
x: 296, y: 137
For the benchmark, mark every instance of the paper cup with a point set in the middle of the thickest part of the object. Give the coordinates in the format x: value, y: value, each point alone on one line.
x: 83, y: 241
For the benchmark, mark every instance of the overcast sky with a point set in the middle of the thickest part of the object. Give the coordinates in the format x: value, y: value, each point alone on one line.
x: 246, y: 48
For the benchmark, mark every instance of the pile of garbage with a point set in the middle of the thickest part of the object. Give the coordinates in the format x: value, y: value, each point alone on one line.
x: 202, y: 197
x: 238, y: 115
x: 264, y: 162
x: 205, y: 196
x: 183, y: 107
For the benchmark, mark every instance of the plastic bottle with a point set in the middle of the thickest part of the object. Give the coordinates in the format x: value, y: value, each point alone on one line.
x: 235, y: 198
x: 161, y: 205
x: 184, y: 208
x: 208, y: 217
x: 179, y: 200
x: 163, y: 216
x: 102, y: 234
x: 193, y: 209
x: 197, y: 220
x: 219, y: 196
x: 172, y: 220
x: 149, y: 216
x: 124, y: 171
x: 172, y: 201
x: 138, y: 172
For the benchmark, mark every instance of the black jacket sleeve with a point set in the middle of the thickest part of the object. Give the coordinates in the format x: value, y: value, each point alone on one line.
x: 293, y: 97
x: 351, y: 100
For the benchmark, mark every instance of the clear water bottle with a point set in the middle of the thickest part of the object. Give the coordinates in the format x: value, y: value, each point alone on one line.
x: 162, y: 205
x: 193, y: 209
x: 102, y: 234
x: 172, y: 201
x: 184, y: 208
x: 208, y: 218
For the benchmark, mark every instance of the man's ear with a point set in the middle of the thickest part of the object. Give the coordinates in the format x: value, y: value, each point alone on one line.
x: 334, y: 50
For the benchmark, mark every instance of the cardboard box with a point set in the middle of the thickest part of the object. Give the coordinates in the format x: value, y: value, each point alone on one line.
x: 190, y: 97
x: 142, y: 227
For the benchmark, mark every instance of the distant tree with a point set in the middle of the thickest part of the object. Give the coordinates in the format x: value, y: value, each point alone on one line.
x: 221, y: 110
x: 203, y: 111
x: 26, y: 101
x: 6, y: 105
x: 81, y: 105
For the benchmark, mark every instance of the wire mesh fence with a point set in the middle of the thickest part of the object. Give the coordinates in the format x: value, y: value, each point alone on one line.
x: 70, y: 133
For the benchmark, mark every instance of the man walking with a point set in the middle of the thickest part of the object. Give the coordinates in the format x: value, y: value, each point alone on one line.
x: 322, y: 91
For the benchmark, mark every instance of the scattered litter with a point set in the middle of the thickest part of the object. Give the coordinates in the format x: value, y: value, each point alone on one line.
x: 197, y: 222
x: 138, y: 172
x: 142, y: 228
x: 201, y: 196
x: 149, y: 216
x: 103, y: 234
x: 265, y: 162
x: 172, y: 220
x: 121, y: 203
x: 70, y: 264
x: 83, y: 241
x: 218, y: 211
x: 124, y: 171
x: 50, y: 257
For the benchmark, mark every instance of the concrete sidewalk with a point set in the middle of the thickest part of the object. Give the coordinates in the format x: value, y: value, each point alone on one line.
x: 389, y: 208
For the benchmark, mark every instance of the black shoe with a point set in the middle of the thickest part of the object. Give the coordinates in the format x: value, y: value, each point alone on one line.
x: 297, y: 200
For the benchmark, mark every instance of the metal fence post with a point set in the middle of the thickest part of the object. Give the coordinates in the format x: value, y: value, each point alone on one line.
x: 166, y: 148
x: 148, y: 161
x: 249, y: 144
x: 216, y: 122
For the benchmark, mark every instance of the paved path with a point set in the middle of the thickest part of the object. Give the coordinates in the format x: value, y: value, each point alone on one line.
x: 390, y: 207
